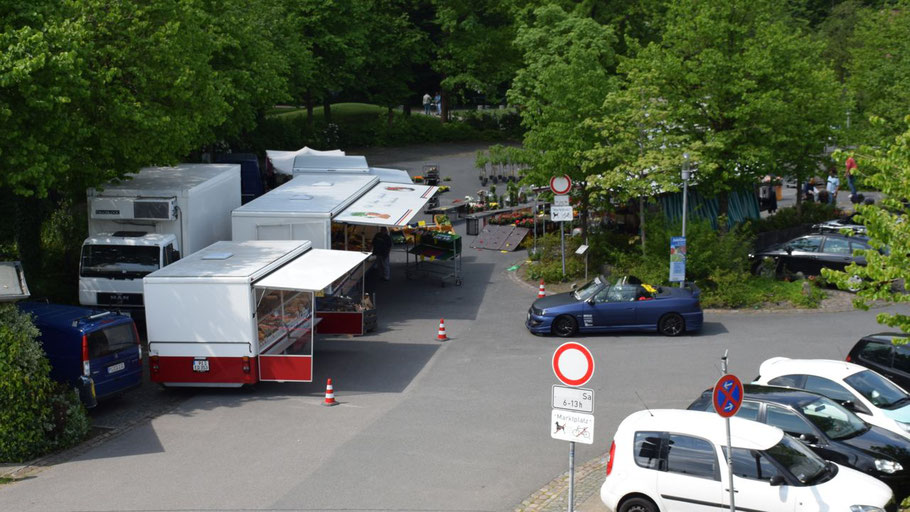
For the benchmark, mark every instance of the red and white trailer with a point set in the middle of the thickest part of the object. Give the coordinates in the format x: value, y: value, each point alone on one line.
x: 238, y: 313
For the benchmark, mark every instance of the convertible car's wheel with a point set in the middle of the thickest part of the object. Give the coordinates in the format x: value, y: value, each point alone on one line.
x: 637, y: 505
x: 671, y: 324
x: 565, y: 326
x: 854, y: 284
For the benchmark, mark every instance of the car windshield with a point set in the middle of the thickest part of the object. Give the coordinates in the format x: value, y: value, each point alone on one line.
x: 588, y: 290
x: 798, y: 459
x: 878, y: 390
x: 835, y: 421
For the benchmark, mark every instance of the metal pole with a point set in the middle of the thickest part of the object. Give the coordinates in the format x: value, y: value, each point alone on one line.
x: 729, y: 446
x: 571, y: 476
x: 562, y: 236
x: 685, y: 178
x: 535, y: 223
x: 586, y: 259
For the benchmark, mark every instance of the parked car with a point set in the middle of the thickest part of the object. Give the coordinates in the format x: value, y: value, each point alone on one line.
x: 96, y: 352
x: 617, y: 304
x: 809, y: 254
x: 669, y: 460
x: 885, y: 352
x: 872, y: 397
x: 836, y: 226
x: 829, y: 429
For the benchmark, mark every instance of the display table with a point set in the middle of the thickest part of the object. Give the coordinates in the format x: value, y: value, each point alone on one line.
x: 434, y: 252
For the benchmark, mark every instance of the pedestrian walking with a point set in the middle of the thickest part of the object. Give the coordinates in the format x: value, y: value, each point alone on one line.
x: 437, y: 100
x: 849, y: 174
x: 427, y: 103
x: 833, y: 186
x: 382, y: 247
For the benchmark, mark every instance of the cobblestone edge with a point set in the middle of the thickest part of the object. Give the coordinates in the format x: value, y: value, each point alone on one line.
x: 554, y: 496
x: 20, y: 471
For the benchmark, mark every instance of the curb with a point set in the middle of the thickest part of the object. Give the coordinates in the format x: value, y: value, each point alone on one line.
x: 554, y: 496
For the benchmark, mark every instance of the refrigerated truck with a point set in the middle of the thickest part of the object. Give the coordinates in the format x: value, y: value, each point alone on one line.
x: 239, y: 313
x: 149, y: 221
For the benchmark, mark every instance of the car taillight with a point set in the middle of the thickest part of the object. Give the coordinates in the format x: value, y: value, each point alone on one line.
x: 138, y: 341
x: 86, y: 367
x: 610, y: 460
x: 246, y: 364
x: 153, y: 363
x: 849, y: 359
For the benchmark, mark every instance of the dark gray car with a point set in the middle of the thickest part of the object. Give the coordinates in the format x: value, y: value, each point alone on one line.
x: 809, y: 254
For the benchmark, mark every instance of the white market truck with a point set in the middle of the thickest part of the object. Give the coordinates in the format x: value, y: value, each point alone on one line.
x: 238, y: 313
x: 142, y: 224
x: 327, y: 209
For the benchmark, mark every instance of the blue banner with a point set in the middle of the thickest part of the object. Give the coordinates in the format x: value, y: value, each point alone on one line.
x: 677, y: 258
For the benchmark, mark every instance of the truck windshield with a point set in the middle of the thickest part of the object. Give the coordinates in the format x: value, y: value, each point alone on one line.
x: 119, y: 261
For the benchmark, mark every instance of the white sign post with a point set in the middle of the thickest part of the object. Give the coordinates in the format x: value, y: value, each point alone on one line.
x: 573, y: 365
x: 561, y: 211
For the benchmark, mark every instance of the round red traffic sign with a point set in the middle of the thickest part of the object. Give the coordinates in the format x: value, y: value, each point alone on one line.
x: 727, y: 395
x: 573, y: 364
x: 560, y: 185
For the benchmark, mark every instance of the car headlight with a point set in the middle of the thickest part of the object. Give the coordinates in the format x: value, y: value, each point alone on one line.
x: 888, y: 466
x: 865, y: 508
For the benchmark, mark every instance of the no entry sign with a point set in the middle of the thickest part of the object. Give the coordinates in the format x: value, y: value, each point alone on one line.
x: 560, y: 185
x: 727, y: 395
x: 573, y: 364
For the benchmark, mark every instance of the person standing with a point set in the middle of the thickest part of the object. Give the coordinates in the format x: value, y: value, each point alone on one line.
x: 427, y: 101
x: 437, y: 100
x: 833, y: 186
x: 848, y: 173
x: 382, y: 247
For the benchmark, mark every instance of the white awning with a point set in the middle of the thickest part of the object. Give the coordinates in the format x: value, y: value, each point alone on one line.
x: 387, y: 204
x: 314, y: 270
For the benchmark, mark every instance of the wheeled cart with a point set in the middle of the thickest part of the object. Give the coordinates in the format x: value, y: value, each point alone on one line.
x: 434, y: 253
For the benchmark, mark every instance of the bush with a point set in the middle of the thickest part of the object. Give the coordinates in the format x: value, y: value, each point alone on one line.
x: 37, y: 416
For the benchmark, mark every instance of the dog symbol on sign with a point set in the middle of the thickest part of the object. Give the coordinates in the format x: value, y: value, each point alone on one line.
x: 560, y: 427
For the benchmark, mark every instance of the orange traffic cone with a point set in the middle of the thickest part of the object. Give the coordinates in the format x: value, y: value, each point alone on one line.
x: 329, y: 394
x: 442, y: 331
x: 541, y: 292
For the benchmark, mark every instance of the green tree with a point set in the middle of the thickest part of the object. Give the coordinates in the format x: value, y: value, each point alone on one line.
x: 886, y: 169
x: 475, y: 50
x: 879, y: 71
x: 248, y: 60
x: 731, y: 74
x: 639, y: 154
x: 564, y: 81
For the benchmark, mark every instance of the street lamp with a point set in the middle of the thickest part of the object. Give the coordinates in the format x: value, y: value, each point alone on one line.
x: 685, y: 177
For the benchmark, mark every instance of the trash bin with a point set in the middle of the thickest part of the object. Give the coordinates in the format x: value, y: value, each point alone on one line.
x: 472, y: 224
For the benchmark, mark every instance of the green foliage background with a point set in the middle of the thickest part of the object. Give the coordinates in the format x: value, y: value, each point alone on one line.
x: 37, y: 416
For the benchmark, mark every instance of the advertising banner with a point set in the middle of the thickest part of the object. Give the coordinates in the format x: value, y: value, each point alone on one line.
x: 677, y: 259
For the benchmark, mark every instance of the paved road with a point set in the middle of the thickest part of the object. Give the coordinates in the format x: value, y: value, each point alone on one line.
x: 455, y: 426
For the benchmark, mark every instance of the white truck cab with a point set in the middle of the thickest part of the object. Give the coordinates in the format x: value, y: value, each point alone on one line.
x: 112, y: 266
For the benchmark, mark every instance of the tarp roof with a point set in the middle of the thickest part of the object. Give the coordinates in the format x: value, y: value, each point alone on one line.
x: 283, y: 161
x: 387, y: 204
x: 314, y: 270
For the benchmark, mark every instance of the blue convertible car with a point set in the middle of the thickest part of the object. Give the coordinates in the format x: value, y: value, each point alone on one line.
x: 620, y: 304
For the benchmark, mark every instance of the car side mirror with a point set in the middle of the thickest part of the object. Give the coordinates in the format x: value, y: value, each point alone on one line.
x: 809, y: 439
x: 777, y: 480
x: 590, y: 300
x: 574, y: 286
x: 788, y: 249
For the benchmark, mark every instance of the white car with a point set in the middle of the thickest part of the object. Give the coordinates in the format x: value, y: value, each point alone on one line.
x: 671, y: 460
x: 871, y: 396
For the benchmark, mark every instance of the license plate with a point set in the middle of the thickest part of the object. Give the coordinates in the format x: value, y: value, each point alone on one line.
x: 116, y: 367
x: 200, y: 365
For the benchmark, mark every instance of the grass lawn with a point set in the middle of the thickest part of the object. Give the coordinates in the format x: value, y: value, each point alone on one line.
x: 347, y: 111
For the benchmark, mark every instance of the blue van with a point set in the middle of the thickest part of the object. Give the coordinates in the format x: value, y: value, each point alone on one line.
x: 99, y: 353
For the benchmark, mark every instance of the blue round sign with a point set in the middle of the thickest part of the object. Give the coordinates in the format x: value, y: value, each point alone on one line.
x: 728, y: 395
